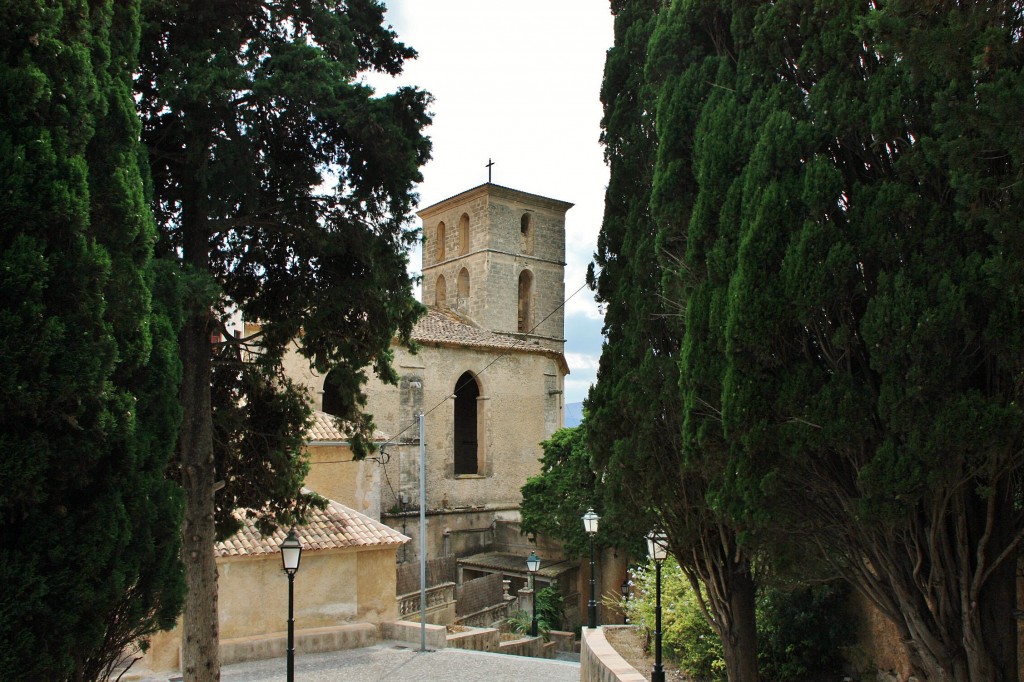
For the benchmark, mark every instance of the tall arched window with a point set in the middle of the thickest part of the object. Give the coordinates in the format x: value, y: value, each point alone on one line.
x: 337, y: 400
x: 441, y: 292
x: 440, y: 241
x: 526, y: 234
x: 525, y: 294
x: 463, y: 234
x: 466, y: 442
x: 463, y: 283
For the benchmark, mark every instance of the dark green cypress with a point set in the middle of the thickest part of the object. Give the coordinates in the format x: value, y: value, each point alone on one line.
x: 653, y: 95
x: 85, y: 427
x: 872, y: 393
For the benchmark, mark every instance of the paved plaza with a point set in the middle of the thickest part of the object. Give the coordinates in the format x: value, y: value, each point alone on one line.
x: 396, y: 662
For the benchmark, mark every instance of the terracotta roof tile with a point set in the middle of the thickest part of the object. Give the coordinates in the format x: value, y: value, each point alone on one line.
x: 446, y: 326
x: 325, y: 429
x: 334, y: 527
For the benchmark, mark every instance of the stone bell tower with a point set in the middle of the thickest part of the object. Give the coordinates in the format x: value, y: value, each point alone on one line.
x: 496, y: 256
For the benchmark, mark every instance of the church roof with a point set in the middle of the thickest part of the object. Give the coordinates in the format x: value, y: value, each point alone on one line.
x: 496, y: 190
x: 445, y: 327
x: 333, y: 527
x: 325, y: 430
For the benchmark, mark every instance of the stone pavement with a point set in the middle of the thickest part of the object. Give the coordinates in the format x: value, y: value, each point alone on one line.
x: 396, y: 662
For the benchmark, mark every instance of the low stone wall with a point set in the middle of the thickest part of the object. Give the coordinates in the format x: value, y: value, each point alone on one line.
x: 599, y: 662
x: 475, y: 639
x: 404, y: 631
x: 525, y: 646
x: 564, y: 641
x: 307, y: 641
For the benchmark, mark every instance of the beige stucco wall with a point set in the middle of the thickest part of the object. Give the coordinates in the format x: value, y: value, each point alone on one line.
x: 520, y: 405
x: 337, y: 476
x: 332, y: 587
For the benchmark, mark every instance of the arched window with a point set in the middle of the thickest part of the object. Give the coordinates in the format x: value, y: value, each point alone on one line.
x: 467, y: 390
x: 463, y: 283
x: 441, y: 292
x: 440, y: 241
x: 526, y: 234
x: 337, y: 400
x: 463, y: 234
x: 525, y: 294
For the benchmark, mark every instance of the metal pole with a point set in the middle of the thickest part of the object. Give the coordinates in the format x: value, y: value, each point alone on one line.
x: 658, y: 674
x: 592, y: 604
x: 291, y: 628
x: 423, y: 540
x: 533, y: 584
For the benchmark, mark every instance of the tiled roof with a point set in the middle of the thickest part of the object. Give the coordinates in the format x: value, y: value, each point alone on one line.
x: 445, y: 326
x: 333, y: 527
x: 325, y: 429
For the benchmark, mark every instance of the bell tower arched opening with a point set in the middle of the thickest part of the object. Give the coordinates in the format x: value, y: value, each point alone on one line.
x: 525, y: 295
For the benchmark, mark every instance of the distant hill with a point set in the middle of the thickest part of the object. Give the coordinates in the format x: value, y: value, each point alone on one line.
x: 573, y: 414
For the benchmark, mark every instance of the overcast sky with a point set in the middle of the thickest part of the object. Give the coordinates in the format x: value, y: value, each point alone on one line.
x: 519, y: 83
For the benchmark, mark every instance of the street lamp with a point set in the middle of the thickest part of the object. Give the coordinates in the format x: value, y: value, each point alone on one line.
x: 291, y: 553
x: 624, y: 588
x: 657, y: 547
x: 590, y: 520
x: 532, y: 566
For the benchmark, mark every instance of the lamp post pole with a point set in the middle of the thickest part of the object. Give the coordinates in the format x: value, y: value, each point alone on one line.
x: 625, y: 600
x: 658, y: 674
x: 291, y: 554
x: 532, y: 566
x: 291, y: 627
x: 590, y: 520
x: 657, y: 547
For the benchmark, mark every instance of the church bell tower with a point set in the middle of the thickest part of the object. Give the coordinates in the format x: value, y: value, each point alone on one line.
x: 496, y: 256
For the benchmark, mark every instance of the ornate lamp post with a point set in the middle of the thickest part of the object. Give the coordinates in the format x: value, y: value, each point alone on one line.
x: 590, y: 520
x: 291, y: 553
x: 532, y: 566
x: 657, y: 547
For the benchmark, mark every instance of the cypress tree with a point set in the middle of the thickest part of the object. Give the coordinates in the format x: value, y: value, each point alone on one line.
x: 86, y: 427
x: 637, y: 409
x: 872, y: 388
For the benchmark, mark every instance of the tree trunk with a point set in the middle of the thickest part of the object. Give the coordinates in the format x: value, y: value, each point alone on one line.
x: 200, y: 655
x: 739, y: 645
x: 996, y: 630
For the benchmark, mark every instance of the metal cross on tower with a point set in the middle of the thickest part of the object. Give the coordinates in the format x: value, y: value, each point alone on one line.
x: 489, y: 164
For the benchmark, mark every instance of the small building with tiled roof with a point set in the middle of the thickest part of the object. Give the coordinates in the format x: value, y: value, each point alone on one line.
x: 344, y: 588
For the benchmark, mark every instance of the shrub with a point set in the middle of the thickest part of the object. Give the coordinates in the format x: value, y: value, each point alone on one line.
x: 550, y: 606
x: 801, y: 631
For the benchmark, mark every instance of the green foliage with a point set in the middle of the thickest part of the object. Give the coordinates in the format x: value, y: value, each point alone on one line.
x: 555, y: 500
x: 244, y: 120
x: 521, y: 623
x: 687, y: 637
x: 88, y: 358
x: 550, y: 606
x: 803, y: 630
